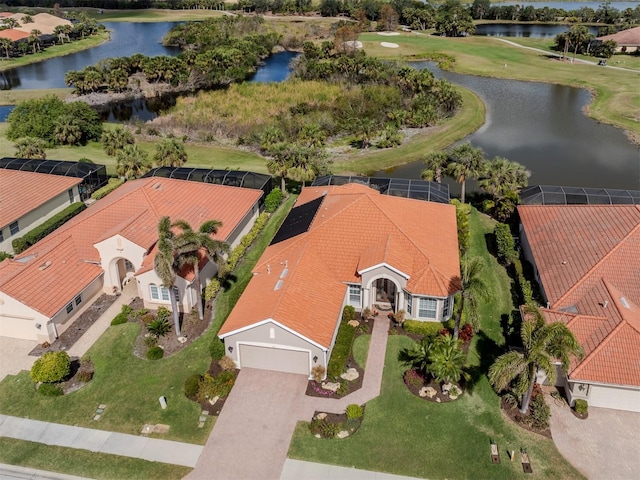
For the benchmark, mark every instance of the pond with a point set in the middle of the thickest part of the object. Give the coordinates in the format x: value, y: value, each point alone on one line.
x: 542, y: 127
x: 524, y: 30
x: 570, y: 5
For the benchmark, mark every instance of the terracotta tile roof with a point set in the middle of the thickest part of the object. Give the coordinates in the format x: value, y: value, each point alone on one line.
x: 13, y: 34
x: 354, y: 228
x: 629, y: 37
x: 22, y: 192
x: 588, y: 261
x: 133, y: 210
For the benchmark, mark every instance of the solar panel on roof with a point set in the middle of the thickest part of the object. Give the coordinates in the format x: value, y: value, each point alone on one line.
x: 298, y: 221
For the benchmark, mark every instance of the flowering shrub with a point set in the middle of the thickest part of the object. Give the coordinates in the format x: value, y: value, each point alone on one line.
x: 321, y: 391
x: 413, y: 378
x: 466, y: 333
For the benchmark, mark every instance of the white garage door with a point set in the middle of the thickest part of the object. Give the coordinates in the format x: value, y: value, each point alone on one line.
x: 274, y: 358
x: 17, y: 328
x: 616, y: 398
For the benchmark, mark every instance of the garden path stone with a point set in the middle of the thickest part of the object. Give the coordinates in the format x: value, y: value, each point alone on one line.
x: 342, y: 434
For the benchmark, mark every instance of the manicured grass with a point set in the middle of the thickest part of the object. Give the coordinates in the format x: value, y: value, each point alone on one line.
x: 54, y: 51
x: 405, y: 435
x: 200, y: 155
x: 361, y: 349
x: 150, y: 15
x: 84, y: 463
x: 130, y: 386
x: 11, y: 97
x: 617, y: 94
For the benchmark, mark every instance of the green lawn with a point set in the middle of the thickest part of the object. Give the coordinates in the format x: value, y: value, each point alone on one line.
x: 617, y: 97
x: 361, y: 349
x: 130, y: 386
x: 84, y: 463
x: 405, y: 435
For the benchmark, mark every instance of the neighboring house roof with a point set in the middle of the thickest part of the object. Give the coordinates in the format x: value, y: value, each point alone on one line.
x: 50, y: 273
x: 22, y: 192
x: 628, y: 38
x: 13, y: 34
x: 352, y: 228
x: 588, y: 260
x: 44, y: 22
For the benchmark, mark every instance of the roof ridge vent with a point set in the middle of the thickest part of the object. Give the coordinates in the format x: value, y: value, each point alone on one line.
x: 625, y: 303
x: 45, y: 265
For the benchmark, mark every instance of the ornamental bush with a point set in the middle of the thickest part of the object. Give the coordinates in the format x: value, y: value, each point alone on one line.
x: 273, y: 200
x: 191, y: 386
x: 427, y: 329
x: 212, y: 289
x: 354, y: 411
x: 349, y: 313
x: 155, y: 353
x: 216, y: 349
x: 581, y: 406
x: 539, y: 413
x: 159, y: 327
x: 51, y: 367
x: 119, y: 319
x: 504, y: 243
x: 107, y: 189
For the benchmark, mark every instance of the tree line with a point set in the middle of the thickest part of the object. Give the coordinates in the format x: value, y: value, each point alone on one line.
x: 216, y: 52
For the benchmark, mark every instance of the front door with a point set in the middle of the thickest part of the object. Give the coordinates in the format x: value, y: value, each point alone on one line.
x: 385, y: 294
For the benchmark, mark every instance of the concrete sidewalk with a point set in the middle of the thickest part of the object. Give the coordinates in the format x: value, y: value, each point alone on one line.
x: 100, y: 441
x: 13, y: 472
x: 299, y: 470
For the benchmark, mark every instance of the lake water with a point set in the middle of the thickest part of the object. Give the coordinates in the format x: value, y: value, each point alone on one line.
x: 523, y: 30
x: 542, y: 127
x: 571, y: 5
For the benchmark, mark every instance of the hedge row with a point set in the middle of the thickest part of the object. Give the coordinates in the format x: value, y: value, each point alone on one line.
x: 427, y: 329
x: 505, y: 245
x: 239, y: 251
x: 32, y: 237
x: 107, y: 189
x: 341, y: 349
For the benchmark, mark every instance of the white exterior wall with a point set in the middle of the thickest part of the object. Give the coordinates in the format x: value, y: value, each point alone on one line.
x: 616, y: 397
x: 369, y: 278
x: 19, y: 321
x: 37, y: 217
x: 528, y: 256
x: 244, y: 226
x: 63, y: 320
x: 111, y: 251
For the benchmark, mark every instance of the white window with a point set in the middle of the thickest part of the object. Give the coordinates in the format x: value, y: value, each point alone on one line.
x: 162, y: 293
x: 14, y: 228
x: 155, y: 293
x: 70, y: 308
x: 446, y: 308
x: 427, y: 307
x: 354, y: 295
x: 408, y: 300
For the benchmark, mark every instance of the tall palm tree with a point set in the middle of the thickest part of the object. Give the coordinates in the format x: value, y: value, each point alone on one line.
x: 116, y: 139
x: 170, y: 152
x: 436, y: 163
x: 6, y: 45
x: 10, y: 23
x: 465, y: 162
x: 30, y: 147
x: 190, y: 244
x: 501, y: 176
x: 474, y: 289
x: 447, y: 359
x: 67, y: 130
x: 542, y: 344
x: 164, y: 265
x: 280, y: 162
x: 132, y: 162
x: 27, y: 19
x: 34, y: 39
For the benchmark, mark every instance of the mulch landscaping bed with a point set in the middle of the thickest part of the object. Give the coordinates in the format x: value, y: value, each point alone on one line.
x: 192, y: 328
x: 339, y: 421
x: 439, y: 397
x: 581, y: 416
x: 513, y: 413
x: 71, y: 335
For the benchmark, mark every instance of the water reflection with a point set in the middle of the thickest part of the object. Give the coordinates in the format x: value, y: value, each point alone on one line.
x: 523, y: 30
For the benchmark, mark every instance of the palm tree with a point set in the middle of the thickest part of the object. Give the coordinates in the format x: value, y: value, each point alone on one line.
x: 500, y: 177
x: 132, y: 162
x: 10, y: 23
x: 436, y: 163
x: 170, y: 153
x: 34, y: 39
x: 27, y: 19
x: 417, y: 356
x: 189, y: 246
x: 474, y: 289
x: 465, y: 162
x: 6, y: 45
x: 542, y: 344
x: 116, y: 139
x: 67, y: 130
x: 30, y: 147
x: 164, y: 265
x: 447, y: 359
x: 280, y: 162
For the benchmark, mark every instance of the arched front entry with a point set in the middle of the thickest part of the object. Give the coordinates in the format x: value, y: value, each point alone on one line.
x: 121, y: 271
x: 385, y: 294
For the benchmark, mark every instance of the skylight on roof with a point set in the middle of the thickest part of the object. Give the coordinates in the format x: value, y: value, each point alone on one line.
x: 284, y: 273
x: 278, y: 285
x: 624, y: 303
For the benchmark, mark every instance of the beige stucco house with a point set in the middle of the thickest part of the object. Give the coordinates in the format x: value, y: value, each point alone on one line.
x: 586, y: 259
x: 111, y: 243
x: 342, y: 245
x: 27, y: 199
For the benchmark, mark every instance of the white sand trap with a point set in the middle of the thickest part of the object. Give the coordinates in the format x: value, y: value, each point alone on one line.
x: 388, y: 34
x: 389, y: 45
x: 353, y: 44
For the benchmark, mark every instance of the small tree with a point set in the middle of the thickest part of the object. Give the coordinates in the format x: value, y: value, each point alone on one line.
x: 51, y: 367
x: 417, y: 356
x: 30, y: 147
x: 447, y: 359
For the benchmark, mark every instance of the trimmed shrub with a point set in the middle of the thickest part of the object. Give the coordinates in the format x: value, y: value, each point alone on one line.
x: 216, y: 349
x: 155, y: 353
x: 33, y: 236
x: 318, y: 373
x: 212, y: 289
x: 324, y: 428
x: 86, y: 371
x: 505, y: 244
x: 427, y: 329
x: 140, y: 313
x: 238, y: 252
x: 539, y: 413
x: 126, y: 309
x: 273, y: 200
x: 5, y: 255
x: 107, y: 189
x: 119, y: 319
x: 163, y: 312
x: 466, y: 332
x: 348, y: 314
x: 227, y: 363
x: 51, y: 367
x: 159, y: 327
x: 342, y: 347
x: 50, y: 390
x: 581, y: 407
x: 354, y: 411
x: 219, y: 386
x: 191, y: 386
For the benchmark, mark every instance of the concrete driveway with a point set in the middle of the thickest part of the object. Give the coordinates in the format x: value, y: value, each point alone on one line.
x: 251, y: 436
x: 604, y: 446
x: 14, y: 355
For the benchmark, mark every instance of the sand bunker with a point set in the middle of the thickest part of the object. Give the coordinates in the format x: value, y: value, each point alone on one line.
x: 389, y: 45
x: 388, y: 34
x: 353, y: 44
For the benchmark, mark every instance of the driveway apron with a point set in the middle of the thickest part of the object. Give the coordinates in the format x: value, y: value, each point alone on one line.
x: 251, y: 436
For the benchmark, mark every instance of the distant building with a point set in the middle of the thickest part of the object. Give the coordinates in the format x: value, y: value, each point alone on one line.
x: 627, y: 40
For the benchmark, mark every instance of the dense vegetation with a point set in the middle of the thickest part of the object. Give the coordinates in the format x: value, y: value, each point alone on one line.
x: 216, y: 52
